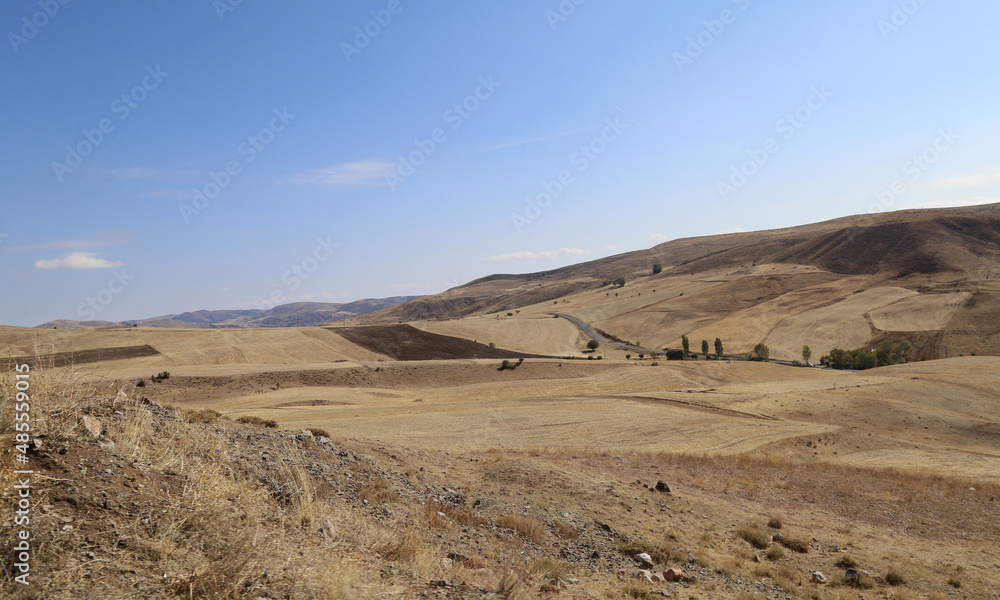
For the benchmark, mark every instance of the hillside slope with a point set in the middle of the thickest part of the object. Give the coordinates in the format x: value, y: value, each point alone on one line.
x: 927, y: 276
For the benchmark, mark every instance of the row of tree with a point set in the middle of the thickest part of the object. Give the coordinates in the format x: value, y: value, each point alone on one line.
x: 886, y: 353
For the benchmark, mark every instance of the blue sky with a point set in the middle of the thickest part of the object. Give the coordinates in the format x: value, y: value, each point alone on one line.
x: 160, y: 157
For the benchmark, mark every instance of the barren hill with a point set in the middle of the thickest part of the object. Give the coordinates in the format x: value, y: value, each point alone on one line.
x: 927, y: 276
x: 294, y: 314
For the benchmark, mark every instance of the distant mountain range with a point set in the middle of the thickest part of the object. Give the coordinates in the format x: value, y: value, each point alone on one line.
x: 296, y: 314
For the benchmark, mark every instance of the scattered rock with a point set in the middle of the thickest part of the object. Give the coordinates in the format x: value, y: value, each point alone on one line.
x: 622, y: 573
x: 645, y: 560
x: 645, y: 575
x: 476, y: 562
x: 307, y: 434
x: 673, y: 574
x: 818, y: 577
x: 658, y: 577
x: 483, y: 572
x: 92, y: 425
x: 661, y: 486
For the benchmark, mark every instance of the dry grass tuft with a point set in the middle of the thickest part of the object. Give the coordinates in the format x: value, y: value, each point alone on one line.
x: 252, y: 420
x: 895, y: 577
x: 528, y: 527
x: 775, y: 522
x: 846, y: 562
x: 755, y: 536
x: 566, y: 532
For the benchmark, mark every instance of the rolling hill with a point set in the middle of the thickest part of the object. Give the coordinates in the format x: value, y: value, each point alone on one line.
x: 295, y: 314
x: 926, y: 276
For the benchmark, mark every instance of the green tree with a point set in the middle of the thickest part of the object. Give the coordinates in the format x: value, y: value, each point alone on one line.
x: 761, y: 352
x: 657, y: 268
x: 593, y: 344
x: 687, y: 345
x: 620, y: 282
x: 806, y: 354
x: 704, y: 347
x: 675, y: 354
x: 718, y: 348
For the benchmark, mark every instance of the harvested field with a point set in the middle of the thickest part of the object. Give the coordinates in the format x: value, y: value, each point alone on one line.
x: 404, y: 342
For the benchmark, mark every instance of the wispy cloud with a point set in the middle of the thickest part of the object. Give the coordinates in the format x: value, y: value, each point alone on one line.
x: 533, y: 140
x: 537, y: 255
x: 78, y: 260
x: 138, y: 173
x: 952, y: 203
x: 100, y: 241
x: 982, y: 178
x: 728, y: 231
x: 611, y: 247
x: 406, y: 287
x: 350, y: 174
x: 659, y: 238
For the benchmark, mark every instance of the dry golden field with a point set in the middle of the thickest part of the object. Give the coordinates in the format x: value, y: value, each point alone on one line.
x: 892, y: 468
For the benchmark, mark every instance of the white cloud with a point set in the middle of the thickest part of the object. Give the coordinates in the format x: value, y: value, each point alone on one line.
x: 659, y: 238
x: 536, y: 255
x: 102, y: 240
x: 403, y: 287
x: 344, y: 175
x: 728, y: 231
x: 951, y: 203
x: 985, y: 177
x: 78, y: 260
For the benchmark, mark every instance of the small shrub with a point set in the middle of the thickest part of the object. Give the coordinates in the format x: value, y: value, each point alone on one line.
x: 795, y: 545
x: 319, y: 432
x: 675, y: 355
x: 755, y: 536
x: 862, y: 581
x: 565, y: 531
x: 775, y: 553
x: 252, y: 420
x: 160, y: 377
x: 527, y: 527
x: 955, y: 582
x: 846, y: 562
x: 141, y: 383
x: 894, y: 577
x: 775, y: 523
